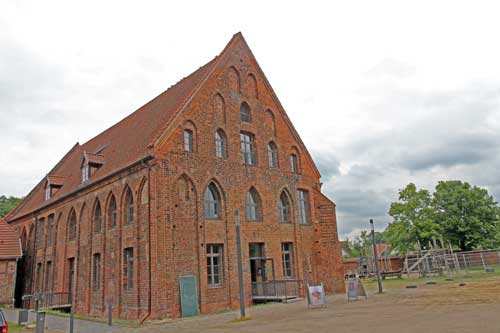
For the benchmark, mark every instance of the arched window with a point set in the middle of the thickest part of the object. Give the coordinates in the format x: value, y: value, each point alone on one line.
x: 284, y: 208
x: 304, y: 212
x: 97, y: 218
x: 294, y: 164
x: 245, y: 112
x: 72, y: 225
x: 272, y: 152
x: 188, y: 140
x: 253, y: 205
x: 129, y: 207
x: 112, y: 212
x: 247, y: 142
x: 212, y: 202
x: 295, y: 160
x: 220, y: 144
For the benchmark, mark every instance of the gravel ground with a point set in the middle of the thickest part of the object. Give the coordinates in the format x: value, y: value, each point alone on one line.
x: 444, y: 307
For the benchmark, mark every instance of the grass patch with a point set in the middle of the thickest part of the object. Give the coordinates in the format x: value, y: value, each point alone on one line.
x: 15, y: 327
x: 241, y: 319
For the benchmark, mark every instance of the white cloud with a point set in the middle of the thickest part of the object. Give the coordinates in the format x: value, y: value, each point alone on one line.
x: 382, y: 92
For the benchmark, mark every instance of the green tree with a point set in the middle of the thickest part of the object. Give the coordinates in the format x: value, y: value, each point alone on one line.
x: 7, y: 204
x: 412, y: 220
x: 468, y: 215
x: 362, y: 245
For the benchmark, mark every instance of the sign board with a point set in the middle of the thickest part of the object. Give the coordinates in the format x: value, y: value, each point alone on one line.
x: 316, y: 295
x: 355, y: 289
x: 189, y: 296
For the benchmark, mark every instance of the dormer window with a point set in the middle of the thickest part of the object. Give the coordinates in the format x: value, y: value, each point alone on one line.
x: 90, y: 164
x: 54, y: 183
x: 85, y: 173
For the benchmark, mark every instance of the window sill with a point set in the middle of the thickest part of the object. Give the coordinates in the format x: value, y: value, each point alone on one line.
x: 218, y: 286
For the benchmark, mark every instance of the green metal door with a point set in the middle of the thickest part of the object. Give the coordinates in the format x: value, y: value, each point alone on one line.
x: 189, y: 296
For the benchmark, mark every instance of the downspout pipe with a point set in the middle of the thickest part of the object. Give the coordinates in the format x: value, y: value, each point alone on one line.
x: 148, y: 314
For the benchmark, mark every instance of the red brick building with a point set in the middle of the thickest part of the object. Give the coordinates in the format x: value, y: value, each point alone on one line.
x: 153, y: 198
x: 10, y: 253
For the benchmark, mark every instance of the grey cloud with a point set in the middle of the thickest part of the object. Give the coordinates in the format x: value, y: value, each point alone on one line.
x: 327, y: 163
x: 427, y: 136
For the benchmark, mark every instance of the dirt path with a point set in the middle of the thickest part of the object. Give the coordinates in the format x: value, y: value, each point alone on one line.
x: 444, y: 307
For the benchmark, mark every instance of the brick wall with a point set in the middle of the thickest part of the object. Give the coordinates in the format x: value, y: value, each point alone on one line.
x: 7, y: 280
x: 169, y: 219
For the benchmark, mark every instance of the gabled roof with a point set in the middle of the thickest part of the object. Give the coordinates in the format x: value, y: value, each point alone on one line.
x: 130, y: 140
x: 122, y: 144
x: 10, y: 244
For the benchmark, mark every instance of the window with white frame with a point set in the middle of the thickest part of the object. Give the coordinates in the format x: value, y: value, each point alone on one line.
x: 287, y: 259
x: 245, y: 112
x: 128, y: 268
x: 253, y: 205
x: 214, y: 264
x: 303, y: 203
x: 272, y: 152
x: 212, y: 202
x: 188, y: 140
x: 294, y: 164
x: 247, y: 148
x: 85, y: 172
x: 220, y: 144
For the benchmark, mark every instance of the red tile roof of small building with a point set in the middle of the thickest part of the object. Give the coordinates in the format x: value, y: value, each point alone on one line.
x: 10, y: 244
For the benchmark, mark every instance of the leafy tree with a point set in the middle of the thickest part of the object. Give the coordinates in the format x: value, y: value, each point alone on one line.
x: 362, y: 245
x: 7, y: 204
x: 468, y: 215
x: 412, y: 220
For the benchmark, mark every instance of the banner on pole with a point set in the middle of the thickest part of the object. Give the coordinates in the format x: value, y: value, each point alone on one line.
x: 316, y: 295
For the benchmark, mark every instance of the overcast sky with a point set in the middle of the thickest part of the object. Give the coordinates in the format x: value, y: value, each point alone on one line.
x: 382, y: 93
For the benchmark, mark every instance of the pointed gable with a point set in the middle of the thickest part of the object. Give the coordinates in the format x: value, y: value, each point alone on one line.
x: 135, y: 137
x: 239, y: 61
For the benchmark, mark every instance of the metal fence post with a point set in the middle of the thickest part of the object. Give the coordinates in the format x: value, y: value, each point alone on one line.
x: 465, y: 262
x: 482, y: 259
x: 40, y: 322
x: 110, y: 313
